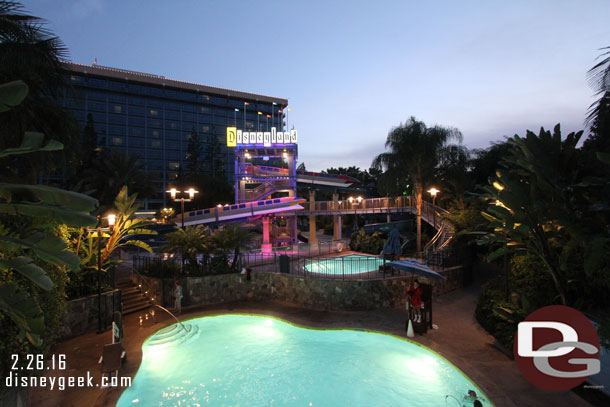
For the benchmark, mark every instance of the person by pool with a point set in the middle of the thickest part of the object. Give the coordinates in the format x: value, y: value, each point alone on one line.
x: 414, y: 297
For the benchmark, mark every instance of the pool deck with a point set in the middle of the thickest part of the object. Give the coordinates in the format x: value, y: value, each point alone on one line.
x: 458, y: 338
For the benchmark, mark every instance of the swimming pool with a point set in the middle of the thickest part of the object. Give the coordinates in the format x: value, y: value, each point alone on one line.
x: 247, y: 360
x: 345, y: 265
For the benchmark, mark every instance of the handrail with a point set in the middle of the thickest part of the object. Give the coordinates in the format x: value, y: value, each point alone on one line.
x: 166, y: 310
x: 145, y: 282
x: 436, y: 237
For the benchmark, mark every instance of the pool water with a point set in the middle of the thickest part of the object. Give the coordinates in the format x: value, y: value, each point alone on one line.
x: 246, y: 360
x: 345, y: 265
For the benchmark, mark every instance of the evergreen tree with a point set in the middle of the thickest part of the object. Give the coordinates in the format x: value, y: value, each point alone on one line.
x: 194, y: 153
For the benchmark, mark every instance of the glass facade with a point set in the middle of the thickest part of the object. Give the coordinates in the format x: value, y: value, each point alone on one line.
x: 153, y: 117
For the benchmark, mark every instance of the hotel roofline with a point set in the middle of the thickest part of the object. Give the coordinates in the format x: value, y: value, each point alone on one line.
x: 149, y: 79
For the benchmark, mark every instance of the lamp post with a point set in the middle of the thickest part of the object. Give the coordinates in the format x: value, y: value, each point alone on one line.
x: 258, y: 125
x: 272, y: 114
x: 433, y: 191
x: 245, y: 106
x: 235, y: 123
x: 99, y: 229
x: 280, y: 120
x: 191, y: 192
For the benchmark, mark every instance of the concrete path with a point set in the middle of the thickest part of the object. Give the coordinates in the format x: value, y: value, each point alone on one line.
x: 459, y: 338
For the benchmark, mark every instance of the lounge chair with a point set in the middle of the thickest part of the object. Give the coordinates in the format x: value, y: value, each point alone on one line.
x: 112, y: 358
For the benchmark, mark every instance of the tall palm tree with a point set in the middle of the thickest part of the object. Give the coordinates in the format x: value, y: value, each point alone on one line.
x: 233, y: 238
x: 414, y: 151
x: 30, y: 53
x: 111, y: 171
x: 599, y: 80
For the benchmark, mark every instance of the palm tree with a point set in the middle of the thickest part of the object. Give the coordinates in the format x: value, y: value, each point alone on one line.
x: 111, y: 171
x: 599, y: 80
x: 414, y: 151
x: 32, y: 54
x: 190, y: 242
x: 233, y: 238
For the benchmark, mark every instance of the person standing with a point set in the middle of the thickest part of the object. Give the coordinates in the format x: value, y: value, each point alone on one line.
x: 177, y: 297
x: 414, y: 297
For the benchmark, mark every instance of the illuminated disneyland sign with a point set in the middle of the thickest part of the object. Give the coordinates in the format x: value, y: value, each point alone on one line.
x: 237, y: 137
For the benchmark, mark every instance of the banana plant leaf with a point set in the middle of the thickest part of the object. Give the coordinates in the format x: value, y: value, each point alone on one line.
x: 32, y: 142
x: 23, y: 309
x: 26, y: 267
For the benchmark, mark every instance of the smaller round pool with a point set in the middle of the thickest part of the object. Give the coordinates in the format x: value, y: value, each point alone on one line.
x: 345, y: 265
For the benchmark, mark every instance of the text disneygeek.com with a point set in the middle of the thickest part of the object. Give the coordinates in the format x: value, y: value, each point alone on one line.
x: 63, y: 382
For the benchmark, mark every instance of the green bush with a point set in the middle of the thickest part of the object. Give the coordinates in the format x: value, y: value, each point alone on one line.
x: 219, y: 265
x: 499, y: 326
x: 529, y: 288
x: 361, y: 242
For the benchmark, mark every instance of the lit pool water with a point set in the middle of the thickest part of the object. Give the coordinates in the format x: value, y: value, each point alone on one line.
x: 345, y: 265
x: 245, y: 360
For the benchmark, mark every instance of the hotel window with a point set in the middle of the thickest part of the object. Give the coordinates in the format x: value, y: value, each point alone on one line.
x: 117, y: 141
x: 154, y: 123
x: 155, y: 133
x: 174, y: 165
x: 118, y: 109
x: 154, y: 112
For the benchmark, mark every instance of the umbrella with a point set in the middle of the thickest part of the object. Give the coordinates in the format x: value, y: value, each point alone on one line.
x: 416, y: 267
x: 392, y: 245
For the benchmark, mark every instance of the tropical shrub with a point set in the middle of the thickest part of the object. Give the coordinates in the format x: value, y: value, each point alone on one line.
x: 360, y: 241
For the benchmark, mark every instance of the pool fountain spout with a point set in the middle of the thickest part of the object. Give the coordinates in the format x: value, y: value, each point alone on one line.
x: 170, y: 313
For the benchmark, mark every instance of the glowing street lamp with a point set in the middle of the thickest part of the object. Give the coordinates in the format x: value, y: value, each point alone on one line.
x: 191, y: 193
x: 433, y: 191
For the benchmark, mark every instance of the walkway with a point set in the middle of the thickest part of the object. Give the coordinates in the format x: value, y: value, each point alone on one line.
x: 433, y: 215
x: 459, y: 338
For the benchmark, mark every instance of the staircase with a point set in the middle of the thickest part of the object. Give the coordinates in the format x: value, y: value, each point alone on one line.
x: 173, y: 335
x: 133, y: 299
x: 265, y: 189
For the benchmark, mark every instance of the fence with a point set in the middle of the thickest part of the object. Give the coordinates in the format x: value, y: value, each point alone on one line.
x: 324, y: 262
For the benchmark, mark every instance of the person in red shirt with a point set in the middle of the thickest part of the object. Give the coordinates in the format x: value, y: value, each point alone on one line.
x: 414, y: 297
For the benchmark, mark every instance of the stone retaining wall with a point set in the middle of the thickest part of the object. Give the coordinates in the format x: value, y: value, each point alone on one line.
x: 310, y: 293
x: 81, y: 314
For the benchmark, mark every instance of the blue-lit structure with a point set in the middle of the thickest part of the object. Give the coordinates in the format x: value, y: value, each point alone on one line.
x: 153, y: 117
x: 254, y: 185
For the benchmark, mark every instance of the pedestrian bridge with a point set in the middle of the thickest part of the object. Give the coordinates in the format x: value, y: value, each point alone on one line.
x: 433, y: 215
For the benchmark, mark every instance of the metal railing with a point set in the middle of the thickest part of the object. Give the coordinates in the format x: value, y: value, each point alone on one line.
x: 356, y: 206
x: 257, y: 257
x: 144, y: 286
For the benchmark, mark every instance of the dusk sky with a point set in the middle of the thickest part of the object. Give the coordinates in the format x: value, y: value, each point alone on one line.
x: 352, y: 70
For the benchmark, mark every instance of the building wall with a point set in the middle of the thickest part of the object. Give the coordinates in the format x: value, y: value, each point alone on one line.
x: 154, y: 117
